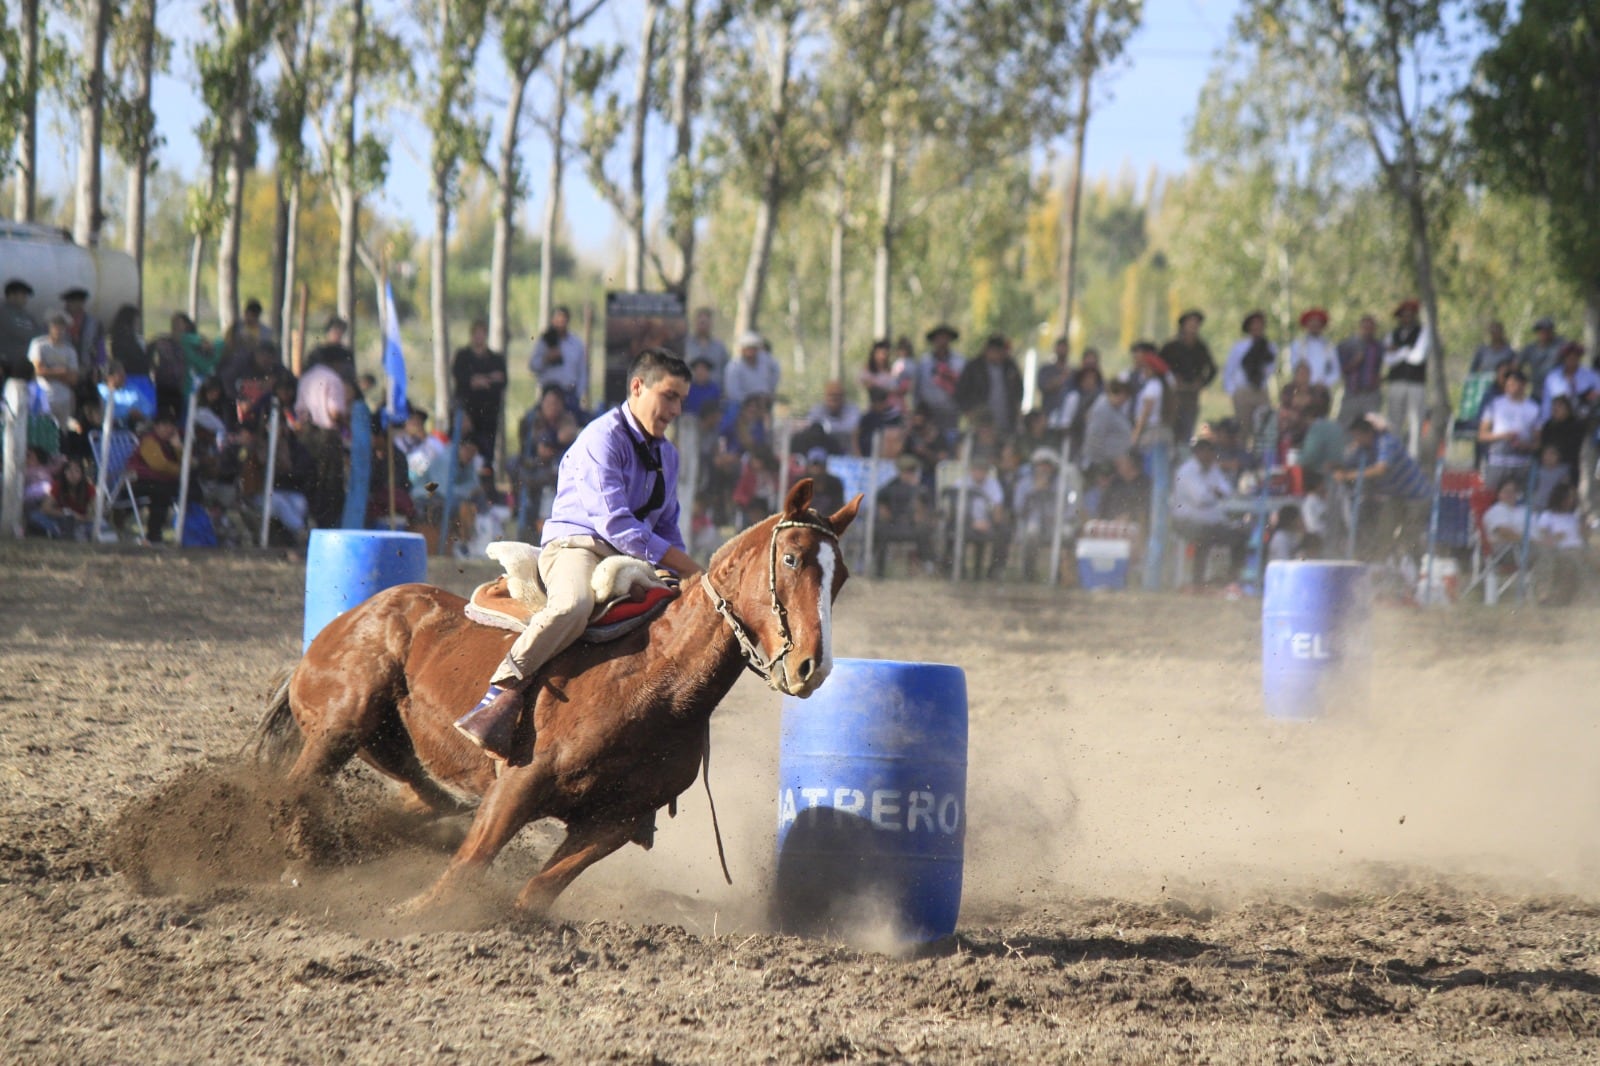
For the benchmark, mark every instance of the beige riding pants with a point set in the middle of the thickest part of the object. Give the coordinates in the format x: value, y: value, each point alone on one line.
x: 566, y: 567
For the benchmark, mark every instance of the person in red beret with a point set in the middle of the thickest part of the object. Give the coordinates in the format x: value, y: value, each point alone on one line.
x: 1314, y: 350
x: 1155, y: 409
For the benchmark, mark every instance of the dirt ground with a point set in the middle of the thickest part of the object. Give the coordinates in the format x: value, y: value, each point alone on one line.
x: 1156, y: 872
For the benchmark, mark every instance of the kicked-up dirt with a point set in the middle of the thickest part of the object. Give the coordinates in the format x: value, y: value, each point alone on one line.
x: 1155, y: 871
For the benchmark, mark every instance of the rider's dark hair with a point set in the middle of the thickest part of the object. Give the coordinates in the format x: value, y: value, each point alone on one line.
x: 653, y: 364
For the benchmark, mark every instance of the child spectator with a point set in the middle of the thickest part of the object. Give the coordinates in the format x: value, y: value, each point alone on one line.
x: 72, y: 500
x: 703, y: 388
x: 756, y: 491
x: 1034, y: 502
x: 1507, y: 518
x: 1551, y: 472
x: 1564, y: 432
x: 1314, y: 513
x: 37, y: 505
x: 827, y: 491
x: 1559, y: 534
x: 157, y: 464
x: 1288, y: 533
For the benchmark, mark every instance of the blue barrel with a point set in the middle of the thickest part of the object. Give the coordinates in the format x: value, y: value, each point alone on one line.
x: 346, y: 566
x: 1316, y: 643
x: 872, y: 797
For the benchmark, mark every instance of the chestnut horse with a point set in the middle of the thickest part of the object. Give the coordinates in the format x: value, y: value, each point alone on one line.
x: 620, y: 729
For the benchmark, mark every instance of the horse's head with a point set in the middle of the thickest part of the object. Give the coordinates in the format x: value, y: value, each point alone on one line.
x: 781, y: 581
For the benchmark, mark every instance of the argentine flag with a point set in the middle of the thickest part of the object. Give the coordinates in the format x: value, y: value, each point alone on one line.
x: 395, y: 408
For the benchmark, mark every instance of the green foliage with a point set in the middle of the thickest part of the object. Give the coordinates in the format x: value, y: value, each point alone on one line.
x: 454, y: 32
x: 1535, y: 121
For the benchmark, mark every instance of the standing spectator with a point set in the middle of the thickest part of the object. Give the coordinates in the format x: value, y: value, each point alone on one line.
x: 938, y: 370
x: 1314, y: 350
x: 480, y: 381
x: 256, y: 379
x: 18, y: 327
x: 992, y: 386
x: 333, y: 351
x: 322, y: 411
x: 905, y: 516
x: 881, y: 373
x: 1193, y: 369
x: 1563, y: 431
x: 87, y: 335
x: 1248, y: 371
x: 1406, y: 359
x: 1108, y: 432
x: 127, y: 348
x: 547, y: 431
x: 1494, y: 352
x: 703, y: 386
x: 700, y: 344
x: 55, y: 367
x: 1055, y: 377
x: 1322, y: 447
x: 928, y: 444
x: 1198, y: 491
x: 754, y: 373
x: 1072, y: 416
x: 157, y: 464
x: 1571, y: 378
x: 1542, y: 354
x: 1510, y: 428
x: 241, y: 341
x: 1361, y: 366
x: 559, y: 358
x: 1154, y: 407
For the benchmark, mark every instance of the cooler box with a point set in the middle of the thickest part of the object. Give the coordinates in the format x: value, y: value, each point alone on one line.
x: 1103, y: 563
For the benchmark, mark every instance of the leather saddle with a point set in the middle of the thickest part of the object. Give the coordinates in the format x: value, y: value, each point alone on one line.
x: 628, y: 593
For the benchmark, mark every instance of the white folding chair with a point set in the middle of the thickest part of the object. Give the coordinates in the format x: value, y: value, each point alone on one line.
x: 119, y: 480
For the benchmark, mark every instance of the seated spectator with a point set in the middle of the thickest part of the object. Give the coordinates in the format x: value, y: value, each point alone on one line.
x: 333, y: 352
x: 1397, y: 487
x: 905, y: 516
x: 293, y: 472
x: 547, y: 431
x: 419, y: 447
x: 1108, y: 432
x: 389, y: 491
x: 72, y: 500
x: 468, y: 494
x: 747, y: 428
x: 157, y: 464
x: 1550, y: 473
x: 1034, y: 504
x: 827, y: 491
x: 1034, y: 434
x: 988, y: 521
x: 755, y: 493
x: 1288, y: 535
x: 881, y: 416
x: 1560, y: 536
x: 1199, y: 490
x: 1125, y: 492
x: 703, y: 387
x: 1322, y: 446
x: 831, y: 424
x: 131, y: 408
x: 1510, y: 428
x: 128, y: 348
x: 38, y: 506
x: 928, y: 444
x: 1507, y: 519
x: 258, y: 376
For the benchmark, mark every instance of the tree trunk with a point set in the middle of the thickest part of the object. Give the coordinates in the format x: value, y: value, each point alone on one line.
x: 196, y: 259
x: 27, y: 192
x: 685, y: 76
x: 238, y: 133
x: 348, y: 199
x: 1069, y: 230
x: 754, y: 285
x: 291, y: 263
x: 552, y: 199
x: 441, y: 325
x: 507, y: 189
x: 1427, y: 295
x: 634, y: 267
x: 1591, y: 320
x: 288, y: 129
x: 86, y: 217
x: 836, y: 276
x: 139, y: 164
x: 883, y: 255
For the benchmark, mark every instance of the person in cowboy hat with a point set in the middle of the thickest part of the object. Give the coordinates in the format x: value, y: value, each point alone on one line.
x: 1248, y: 371
x: 933, y: 383
x: 85, y: 331
x: 1406, y: 375
x: 1192, y: 370
x: 754, y: 372
x: 1313, y: 349
x: 1034, y: 503
x: 18, y: 327
x: 1542, y: 354
x: 1198, y: 490
x: 991, y: 386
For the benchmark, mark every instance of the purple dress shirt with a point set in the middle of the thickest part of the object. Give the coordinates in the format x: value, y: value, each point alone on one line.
x: 604, y: 480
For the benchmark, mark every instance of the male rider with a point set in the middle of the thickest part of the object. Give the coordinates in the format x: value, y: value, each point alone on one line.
x: 616, y: 494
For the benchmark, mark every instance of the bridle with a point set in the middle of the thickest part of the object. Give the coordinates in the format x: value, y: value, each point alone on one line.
x: 764, y: 666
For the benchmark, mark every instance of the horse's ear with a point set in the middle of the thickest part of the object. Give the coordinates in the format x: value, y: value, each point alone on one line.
x: 799, y: 497
x: 840, y: 520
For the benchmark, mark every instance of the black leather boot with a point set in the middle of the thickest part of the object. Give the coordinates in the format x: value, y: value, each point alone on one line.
x: 492, y: 724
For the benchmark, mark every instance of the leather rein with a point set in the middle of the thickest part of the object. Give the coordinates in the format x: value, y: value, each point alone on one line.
x: 764, y: 666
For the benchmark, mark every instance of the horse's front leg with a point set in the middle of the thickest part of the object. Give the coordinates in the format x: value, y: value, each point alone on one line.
x: 586, y: 844
x: 510, y: 805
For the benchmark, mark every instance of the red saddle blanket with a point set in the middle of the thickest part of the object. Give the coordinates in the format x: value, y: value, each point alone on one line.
x: 492, y: 604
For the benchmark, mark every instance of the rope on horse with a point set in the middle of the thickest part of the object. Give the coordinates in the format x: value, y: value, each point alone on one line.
x: 705, y: 775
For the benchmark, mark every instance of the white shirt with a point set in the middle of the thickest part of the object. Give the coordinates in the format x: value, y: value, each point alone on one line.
x: 46, y: 356
x: 571, y: 373
x: 1505, y: 415
x: 1557, y: 529
x: 1314, y: 513
x: 1556, y: 384
x: 1233, y: 375
x: 1320, y: 355
x: 1505, y: 521
x: 983, y: 497
x: 742, y: 379
x: 1197, y: 493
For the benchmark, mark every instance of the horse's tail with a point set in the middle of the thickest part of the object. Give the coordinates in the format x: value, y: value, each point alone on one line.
x: 277, y: 736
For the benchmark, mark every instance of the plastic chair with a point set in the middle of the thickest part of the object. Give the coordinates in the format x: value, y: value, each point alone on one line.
x: 119, y: 480
x: 1496, y: 567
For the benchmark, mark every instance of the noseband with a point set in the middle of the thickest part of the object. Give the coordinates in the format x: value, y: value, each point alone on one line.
x: 761, y: 665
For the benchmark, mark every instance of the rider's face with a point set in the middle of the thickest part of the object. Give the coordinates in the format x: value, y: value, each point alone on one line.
x: 657, y: 406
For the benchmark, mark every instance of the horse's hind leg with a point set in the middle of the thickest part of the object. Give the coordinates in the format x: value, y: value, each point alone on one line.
x: 390, y: 751
x: 509, y: 805
x: 585, y: 844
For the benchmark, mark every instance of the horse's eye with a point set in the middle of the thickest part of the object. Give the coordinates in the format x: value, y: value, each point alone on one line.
x: 791, y: 560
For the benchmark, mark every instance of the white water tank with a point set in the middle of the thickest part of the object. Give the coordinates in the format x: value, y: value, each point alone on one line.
x: 46, y: 258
